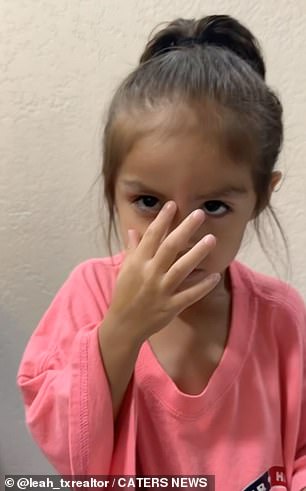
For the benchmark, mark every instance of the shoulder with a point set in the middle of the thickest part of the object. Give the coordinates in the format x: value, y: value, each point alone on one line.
x: 95, y: 275
x: 275, y: 298
x: 104, y: 268
x: 86, y: 292
x: 82, y: 299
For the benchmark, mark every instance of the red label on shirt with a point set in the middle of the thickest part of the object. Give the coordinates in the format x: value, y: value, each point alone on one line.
x: 275, y: 476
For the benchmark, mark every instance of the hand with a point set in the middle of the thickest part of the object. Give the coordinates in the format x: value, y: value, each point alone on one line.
x: 145, y: 294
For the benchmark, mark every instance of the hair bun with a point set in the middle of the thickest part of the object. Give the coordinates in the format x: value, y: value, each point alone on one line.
x: 218, y: 30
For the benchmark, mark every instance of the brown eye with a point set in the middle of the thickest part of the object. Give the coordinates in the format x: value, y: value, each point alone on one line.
x: 213, y: 208
x: 148, y: 202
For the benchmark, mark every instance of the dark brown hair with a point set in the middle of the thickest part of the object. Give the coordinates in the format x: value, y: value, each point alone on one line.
x: 215, y: 66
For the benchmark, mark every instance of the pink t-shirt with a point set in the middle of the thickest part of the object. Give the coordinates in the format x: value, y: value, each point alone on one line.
x: 247, y: 427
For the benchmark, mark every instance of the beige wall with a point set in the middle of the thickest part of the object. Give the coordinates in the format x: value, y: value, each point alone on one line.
x: 60, y: 60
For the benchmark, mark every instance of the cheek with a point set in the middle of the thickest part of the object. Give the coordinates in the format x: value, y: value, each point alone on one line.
x: 126, y: 220
x: 228, y: 235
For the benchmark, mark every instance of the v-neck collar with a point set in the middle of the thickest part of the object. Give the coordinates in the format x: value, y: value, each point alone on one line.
x: 153, y: 377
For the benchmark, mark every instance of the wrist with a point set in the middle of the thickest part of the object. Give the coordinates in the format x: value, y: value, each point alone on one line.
x: 121, y: 331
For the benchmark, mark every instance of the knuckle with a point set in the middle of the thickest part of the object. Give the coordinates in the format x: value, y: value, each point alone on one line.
x: 149, y: 272
x: 176, y: 269
x: 170, y: 245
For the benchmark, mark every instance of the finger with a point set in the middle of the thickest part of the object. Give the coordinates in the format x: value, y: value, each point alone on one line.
x: 130, y: 240
x: 177, y: 241
x: 180, y: 270
x: 184, y: 298
x: 156, y: 231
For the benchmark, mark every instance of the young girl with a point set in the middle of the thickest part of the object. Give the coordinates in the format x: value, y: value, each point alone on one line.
x: 147, y: 362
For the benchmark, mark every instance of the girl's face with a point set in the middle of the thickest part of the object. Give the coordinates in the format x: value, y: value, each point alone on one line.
x: 195, y: 174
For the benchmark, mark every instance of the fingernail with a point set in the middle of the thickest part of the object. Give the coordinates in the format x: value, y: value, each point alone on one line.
x: 197, y: 213
x: 169, y: 206
x: 208, y: 239
x: 215, y: 277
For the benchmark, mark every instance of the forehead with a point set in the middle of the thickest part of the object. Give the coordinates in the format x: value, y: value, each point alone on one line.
x: 186, y: 141
x: 184, y: 158
x: 169, y: 119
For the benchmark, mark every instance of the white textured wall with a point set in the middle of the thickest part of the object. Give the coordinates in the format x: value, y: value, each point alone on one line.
x: 59, y: 62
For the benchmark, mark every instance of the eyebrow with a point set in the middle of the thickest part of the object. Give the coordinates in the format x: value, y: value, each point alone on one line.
x: 230, y: 190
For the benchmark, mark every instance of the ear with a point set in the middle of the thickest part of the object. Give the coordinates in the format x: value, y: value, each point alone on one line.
x: 275, y: 178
